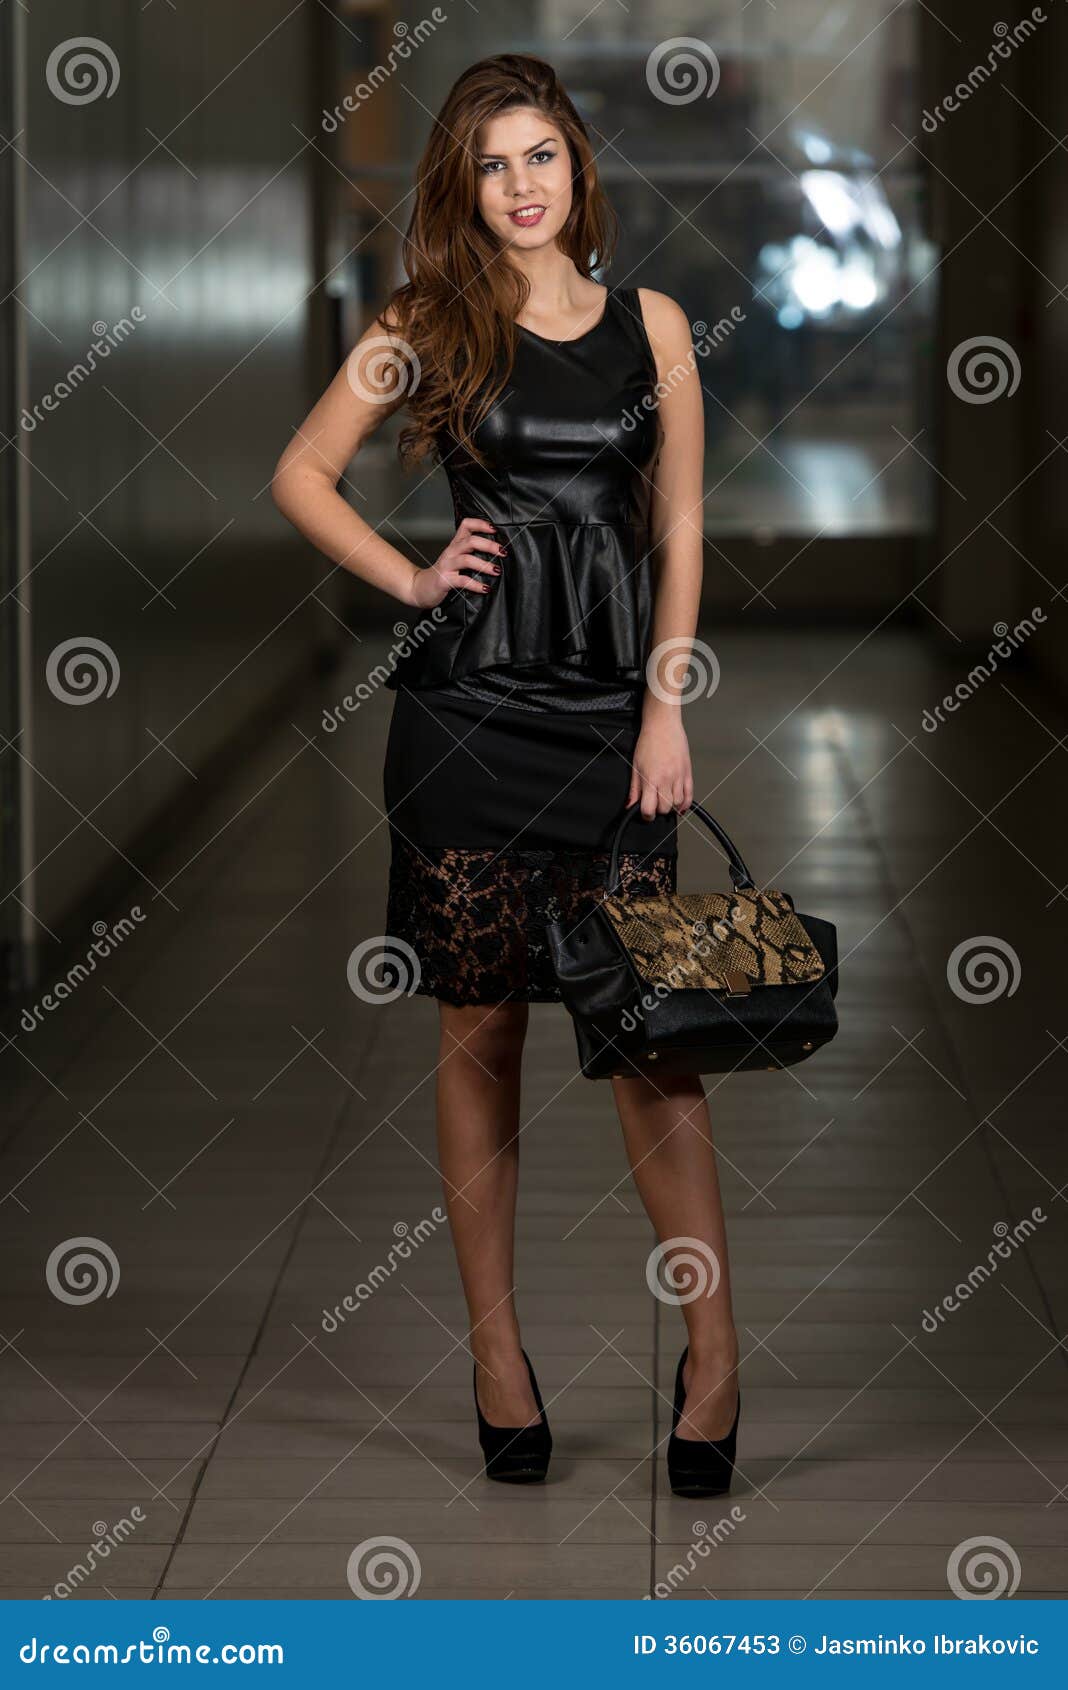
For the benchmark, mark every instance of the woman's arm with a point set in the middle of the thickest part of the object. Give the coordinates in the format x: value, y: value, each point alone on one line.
x: 662, y: 776
x: 304, y: 487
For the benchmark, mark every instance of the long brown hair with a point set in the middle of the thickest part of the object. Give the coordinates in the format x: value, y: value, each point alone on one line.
x: 457, y: 311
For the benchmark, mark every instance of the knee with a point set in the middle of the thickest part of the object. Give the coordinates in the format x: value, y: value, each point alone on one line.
x: 665, y: 1104
x: 488, y: 1036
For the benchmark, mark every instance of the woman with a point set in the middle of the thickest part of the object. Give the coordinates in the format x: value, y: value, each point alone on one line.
x: 525, y: 718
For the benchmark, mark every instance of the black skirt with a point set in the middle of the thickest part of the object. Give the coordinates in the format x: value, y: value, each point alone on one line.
x: 501, y: 817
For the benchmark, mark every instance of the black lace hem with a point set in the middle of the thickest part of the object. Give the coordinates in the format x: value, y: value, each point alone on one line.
x: 474, y: 921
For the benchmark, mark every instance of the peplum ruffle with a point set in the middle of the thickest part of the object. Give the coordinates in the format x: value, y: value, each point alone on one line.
x: 566, y: 591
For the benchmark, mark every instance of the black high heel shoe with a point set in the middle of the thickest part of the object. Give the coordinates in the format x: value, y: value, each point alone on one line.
x: 516, y: 1455
x: 699, y: 1466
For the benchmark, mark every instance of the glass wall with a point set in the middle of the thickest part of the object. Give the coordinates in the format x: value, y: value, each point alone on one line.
x: 759, y: 158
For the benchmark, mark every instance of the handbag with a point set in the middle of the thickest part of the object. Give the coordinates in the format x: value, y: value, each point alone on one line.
x: 695, y: 982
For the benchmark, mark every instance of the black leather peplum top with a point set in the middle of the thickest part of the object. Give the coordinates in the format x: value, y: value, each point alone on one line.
x: 570, y: 447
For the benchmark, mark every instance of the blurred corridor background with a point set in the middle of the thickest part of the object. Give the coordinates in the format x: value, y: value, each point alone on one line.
x: 861, y: 208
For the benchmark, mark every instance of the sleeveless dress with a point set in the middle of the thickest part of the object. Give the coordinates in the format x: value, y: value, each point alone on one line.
x: 517, y: 711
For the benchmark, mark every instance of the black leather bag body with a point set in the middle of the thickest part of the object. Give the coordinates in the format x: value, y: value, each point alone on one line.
x: 695, y: 982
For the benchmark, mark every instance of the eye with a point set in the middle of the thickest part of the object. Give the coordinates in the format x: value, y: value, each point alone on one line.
x: 489, y: 166
x: 545, y: 155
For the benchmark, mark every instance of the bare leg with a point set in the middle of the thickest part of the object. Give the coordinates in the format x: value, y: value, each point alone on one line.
x: 478, y: 1123
x: 668, y: 1137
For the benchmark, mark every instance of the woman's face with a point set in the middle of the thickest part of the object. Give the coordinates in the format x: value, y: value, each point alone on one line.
x: 524, y: 180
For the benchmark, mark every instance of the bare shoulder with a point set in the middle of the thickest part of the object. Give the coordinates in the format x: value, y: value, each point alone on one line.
x: 666, y: 322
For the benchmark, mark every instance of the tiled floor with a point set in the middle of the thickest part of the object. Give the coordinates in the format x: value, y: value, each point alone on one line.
x: 249, y: 1137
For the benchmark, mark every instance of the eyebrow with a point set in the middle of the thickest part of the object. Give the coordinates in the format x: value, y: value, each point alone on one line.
x: 548, y: 141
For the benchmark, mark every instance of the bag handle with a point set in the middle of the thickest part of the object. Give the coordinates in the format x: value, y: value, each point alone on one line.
x: 740, y: 875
